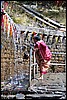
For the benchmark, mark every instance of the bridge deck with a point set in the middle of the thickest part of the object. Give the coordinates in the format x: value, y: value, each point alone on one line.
x: 53, y: 85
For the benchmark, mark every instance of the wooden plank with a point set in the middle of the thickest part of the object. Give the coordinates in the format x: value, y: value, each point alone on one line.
x: 43, y: 95
x: 57, y: 64
x: 50, y: 64
x: 59, y: 53
x: 61, y: 89
x: 34, y: 64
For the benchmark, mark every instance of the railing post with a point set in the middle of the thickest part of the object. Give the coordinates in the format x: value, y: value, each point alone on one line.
x: 65, y: 65
x: 30, y: 66
x: 15, y: 67
x: 37, y: 69
x: 34, y: 63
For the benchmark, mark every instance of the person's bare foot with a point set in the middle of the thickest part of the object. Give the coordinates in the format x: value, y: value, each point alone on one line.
x: 40, y: 78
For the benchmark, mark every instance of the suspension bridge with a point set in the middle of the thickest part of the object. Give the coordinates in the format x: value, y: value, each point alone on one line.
x: 19, y: 43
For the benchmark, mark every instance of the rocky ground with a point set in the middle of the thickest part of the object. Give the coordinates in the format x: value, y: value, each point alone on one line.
x: 21, y: 17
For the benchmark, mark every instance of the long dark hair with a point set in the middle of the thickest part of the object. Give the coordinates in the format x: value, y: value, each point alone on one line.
x: 37, y: 38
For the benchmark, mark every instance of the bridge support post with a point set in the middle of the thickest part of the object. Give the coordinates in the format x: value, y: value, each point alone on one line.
x: 34, y: 65
x: 30, y: 55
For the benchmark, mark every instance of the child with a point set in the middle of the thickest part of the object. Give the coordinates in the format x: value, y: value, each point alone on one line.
x: 43, y: 55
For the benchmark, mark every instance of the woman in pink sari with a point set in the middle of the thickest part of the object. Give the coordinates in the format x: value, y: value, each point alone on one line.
x: 43, y: 55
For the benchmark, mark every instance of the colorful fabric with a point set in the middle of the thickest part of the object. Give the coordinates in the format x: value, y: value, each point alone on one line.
x: 2, y: 22
x: 10, y: 30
